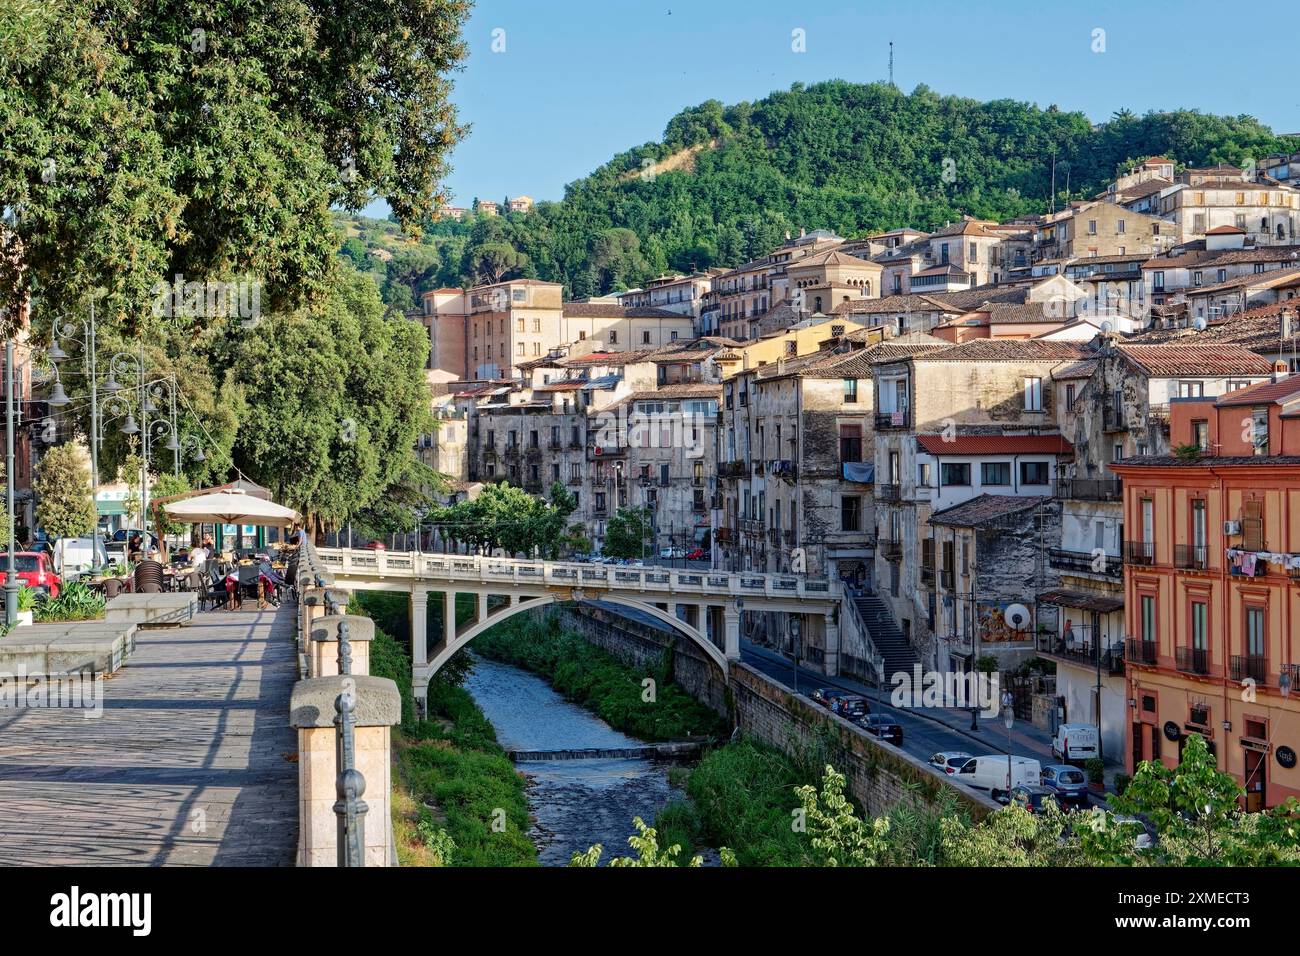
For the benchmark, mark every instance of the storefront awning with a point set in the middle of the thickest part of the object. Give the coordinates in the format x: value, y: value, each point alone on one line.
x: 1064, y: 597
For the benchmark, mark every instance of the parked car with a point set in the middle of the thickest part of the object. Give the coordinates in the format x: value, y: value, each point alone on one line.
x: 33, y: 569
x: 1074, y: 742
x: 990, y: 774
x: 1145, y: 835
x: 1033, y: 797
x: 886, y: 728
x: 851, y: 706
x: 126, y: 534
x: 671, y: 553
x: 696, y: 554
x: 376, y: 546
x: 826, y: 696
x: 1068, y: 783
x: 949, y: 761
x: 73, y: 557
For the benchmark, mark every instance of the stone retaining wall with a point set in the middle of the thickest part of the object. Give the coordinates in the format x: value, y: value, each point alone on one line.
x: 879, y: 775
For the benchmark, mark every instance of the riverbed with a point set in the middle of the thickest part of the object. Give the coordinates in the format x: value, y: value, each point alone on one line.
x: 574, y: 803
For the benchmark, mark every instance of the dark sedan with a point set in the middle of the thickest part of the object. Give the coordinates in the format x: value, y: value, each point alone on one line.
x: 886, y: 728
x: 1034, y: 798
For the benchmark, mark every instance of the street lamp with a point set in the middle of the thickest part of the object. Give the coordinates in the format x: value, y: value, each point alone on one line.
x: 67, y: 328
x: 796, y: 628
x: 1008, y: 718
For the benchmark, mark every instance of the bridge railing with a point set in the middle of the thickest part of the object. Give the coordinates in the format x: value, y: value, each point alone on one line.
x: 489, y: 570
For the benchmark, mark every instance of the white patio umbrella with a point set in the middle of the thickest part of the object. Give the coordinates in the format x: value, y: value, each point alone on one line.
x: 229, y: 507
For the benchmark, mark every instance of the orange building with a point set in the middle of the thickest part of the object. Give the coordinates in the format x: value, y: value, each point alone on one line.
x: 1212, y: 588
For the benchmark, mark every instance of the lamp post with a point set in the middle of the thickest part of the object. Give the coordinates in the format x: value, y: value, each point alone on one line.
x: 66, y: 328
x: 11, y: 575
x: 796, y: 628
x: 1008, y: 718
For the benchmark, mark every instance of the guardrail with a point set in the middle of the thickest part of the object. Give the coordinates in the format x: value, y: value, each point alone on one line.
x: 858, y: 631
x: 487, y: 570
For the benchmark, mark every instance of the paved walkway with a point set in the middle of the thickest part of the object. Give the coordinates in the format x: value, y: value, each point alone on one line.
x: 187, y: 764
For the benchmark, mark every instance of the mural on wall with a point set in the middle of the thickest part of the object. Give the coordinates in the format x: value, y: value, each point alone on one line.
x: 994, y: 628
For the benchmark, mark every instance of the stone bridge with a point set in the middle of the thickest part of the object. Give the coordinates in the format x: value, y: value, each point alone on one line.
x: 706, y: 606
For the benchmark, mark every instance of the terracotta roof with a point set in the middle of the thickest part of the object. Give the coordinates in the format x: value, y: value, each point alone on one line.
x: 1226, y: 231
x: 985, y: 509
x: 995, y: 445
x: 1261, y: 393
x: 968, y: 227
x: 1166, y: 361
x: 948, y: 270
x: 1257, y: 329
x: 606, y: 358
x: 1012, y: 350
x: 564, y: 385
x: 612, y: 310
x: 1076, y: 370
x: 681, y: 390
x: 890, y: 304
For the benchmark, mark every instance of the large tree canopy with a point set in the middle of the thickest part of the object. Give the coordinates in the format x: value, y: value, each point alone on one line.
x: 210, y: 139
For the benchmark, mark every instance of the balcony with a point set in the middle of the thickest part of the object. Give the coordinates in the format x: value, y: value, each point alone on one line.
x: 1158, y: 416
x: 1191, y: 557
x: 1192, y: 660
x: 575, y: 481
x: 1140, y: 652
x: 732, y: 469
x: 927, y: 576
x: 1083, y: 562
x: 1114, y: 419
x: 609, y: 451
x: 946, y: 579
x: 1082, y: 648
x: 892, y: 421
x: 1253, y: 666
x: 1292, y: 671
x: 892, y: 550
x: 1090, y: 489
x: 1139, y: 552
x: 888, y: 492
x: 555, y: 444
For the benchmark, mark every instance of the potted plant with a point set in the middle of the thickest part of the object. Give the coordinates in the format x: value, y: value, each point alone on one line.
x: 1096, y: 772
x: 26, y: 605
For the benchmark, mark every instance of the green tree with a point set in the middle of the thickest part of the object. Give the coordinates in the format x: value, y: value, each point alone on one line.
x: 492, y: 262
x: 648, y: 852
x: 167, y: 485
x: 629, y: 533
x: 840, y: 836
x: 212, y: 140
x: 64, y: 506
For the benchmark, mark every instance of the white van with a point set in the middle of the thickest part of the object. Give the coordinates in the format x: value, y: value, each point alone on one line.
x: 1075, y: 742
x: 990, y: 774
x: 73, y: 557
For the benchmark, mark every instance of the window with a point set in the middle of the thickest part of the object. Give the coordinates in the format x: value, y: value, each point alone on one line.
x: 850, y: 443
x: 519, y: 325
x: 995, y: 473
x: 1201, y: 434
x: 850, y: 391
x: 1148, y: 617
x: 1198, y: 278
x: 613, y: 337
x: 1252, y: 525
x: 1259, y: 430
x: 1255, y: 631
x: 1033, y: 394
x: 537, y: 348
x: 645, y: 337
x: 1092, y: 227
x: 1191, y: 389
x: 974, y: 253
x: 1033, y: 472
x: 1200, y: 622
x: 1158, y: 281
x: 1069, y: 395
x: 923, y: 474
x: 850, y: 513
x: 519, y: 349
x: 1121, y: 227
x: 954, y: 473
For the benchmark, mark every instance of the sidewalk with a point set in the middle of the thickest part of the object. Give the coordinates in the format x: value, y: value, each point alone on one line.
x: 1026, y: 739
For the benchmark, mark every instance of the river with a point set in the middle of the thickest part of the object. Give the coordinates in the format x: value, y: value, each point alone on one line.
x: 574, y: 803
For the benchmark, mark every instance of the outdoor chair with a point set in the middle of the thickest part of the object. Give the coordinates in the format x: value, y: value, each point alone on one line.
x: 149, y: 577
x: 211, y: 589
x: 113, y: 587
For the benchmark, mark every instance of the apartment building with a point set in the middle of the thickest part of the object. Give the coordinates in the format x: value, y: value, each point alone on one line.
x: 1212, y: 590
x: 753, y: 288
x: 682, y: 294
x: 991, y: 390
x: 1092, y: 230
x: 1267, y: 213
x: 614, y: 327
x: 493, y: 328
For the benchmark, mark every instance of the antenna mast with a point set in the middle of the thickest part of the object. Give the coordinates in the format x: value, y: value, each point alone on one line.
x: 891, y: 63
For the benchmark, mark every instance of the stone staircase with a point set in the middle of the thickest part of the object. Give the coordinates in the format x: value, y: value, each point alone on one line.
x: 897, y: 651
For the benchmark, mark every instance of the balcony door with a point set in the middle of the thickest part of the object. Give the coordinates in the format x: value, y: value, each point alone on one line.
x: 1148, y: 529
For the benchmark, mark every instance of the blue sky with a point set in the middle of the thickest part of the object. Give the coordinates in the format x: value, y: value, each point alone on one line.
x: 581, y: 80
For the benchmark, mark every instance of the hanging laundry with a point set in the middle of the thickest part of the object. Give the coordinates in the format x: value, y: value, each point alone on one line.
x: 1248, y: 564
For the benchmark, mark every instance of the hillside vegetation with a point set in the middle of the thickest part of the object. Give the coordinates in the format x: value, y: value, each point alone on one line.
x: 728, y: 183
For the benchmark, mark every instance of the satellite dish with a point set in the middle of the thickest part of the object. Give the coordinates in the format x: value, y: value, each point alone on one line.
x: 1108, y: 327
x: 1017, y: 616
x: 1199, y: 324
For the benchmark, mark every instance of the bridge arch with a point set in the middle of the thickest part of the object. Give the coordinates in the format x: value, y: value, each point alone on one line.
x: 445, y: 653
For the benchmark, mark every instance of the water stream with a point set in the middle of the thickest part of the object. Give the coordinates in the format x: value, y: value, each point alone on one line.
x: 575, y: 803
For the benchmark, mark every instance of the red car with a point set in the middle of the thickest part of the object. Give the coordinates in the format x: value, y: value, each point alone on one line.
x: 34, y: 570
x: 376, y: 546
x: 696, y: 555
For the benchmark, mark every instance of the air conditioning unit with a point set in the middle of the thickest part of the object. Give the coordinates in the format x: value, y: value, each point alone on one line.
x: 1231, y: 528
